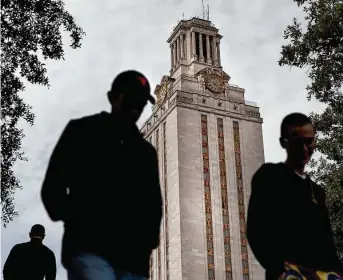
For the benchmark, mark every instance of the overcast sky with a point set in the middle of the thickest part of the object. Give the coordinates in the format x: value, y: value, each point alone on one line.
x: 132, y: 34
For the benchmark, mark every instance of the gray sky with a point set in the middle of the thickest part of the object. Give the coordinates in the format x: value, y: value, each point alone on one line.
x: 132, y: 34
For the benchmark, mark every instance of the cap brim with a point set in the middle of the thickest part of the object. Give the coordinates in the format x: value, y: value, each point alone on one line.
x: 151, y: 99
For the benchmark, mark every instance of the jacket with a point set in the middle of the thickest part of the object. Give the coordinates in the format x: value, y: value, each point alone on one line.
x: 103, y: 182
x: 288, y: 222
x: 32, y: 261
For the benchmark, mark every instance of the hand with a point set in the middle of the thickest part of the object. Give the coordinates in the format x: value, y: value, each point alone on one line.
x: 282, y: 276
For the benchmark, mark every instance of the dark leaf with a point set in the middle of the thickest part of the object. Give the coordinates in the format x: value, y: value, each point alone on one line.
x: 28, y: 29
x: 318, y: 46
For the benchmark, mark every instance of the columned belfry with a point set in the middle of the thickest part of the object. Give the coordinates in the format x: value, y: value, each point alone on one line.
x: 208, y: 139
x: 195, y: 40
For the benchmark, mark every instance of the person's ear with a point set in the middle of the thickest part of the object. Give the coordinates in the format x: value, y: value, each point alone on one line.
x: 282, y: 142
x: 109, y: 96
x: 115, y: 98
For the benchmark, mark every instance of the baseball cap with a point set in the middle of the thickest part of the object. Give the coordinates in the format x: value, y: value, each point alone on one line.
x: 132, y: 83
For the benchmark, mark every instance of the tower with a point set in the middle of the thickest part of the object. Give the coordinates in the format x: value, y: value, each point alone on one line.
x: 209, y: 144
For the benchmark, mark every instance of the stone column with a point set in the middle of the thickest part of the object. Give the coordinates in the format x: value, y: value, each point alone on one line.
x: 214, y: 46
x: 218, y: 51
x: 208, y: 49
x: 194, y: 50
x: 178, y: 50
x: 171, y: 57
x: 201, y: 54
x: 188, y: 46
x: 174, y: 54
x: 182, y: 47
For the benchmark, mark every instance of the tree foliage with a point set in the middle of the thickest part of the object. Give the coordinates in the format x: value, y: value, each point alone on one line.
x: 317, y: 46
x: 31, y: 32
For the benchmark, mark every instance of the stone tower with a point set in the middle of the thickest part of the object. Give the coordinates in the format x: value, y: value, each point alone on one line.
x: 209, y: 143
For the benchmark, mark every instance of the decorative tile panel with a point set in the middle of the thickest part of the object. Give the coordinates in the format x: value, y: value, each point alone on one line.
x: 208, y: 202
x: 165, y: 173
x: 157, y: 140
x: 240, y: 194
x: 224, y: 199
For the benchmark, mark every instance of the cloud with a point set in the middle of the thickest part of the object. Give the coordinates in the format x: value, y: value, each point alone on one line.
x: 132, y: 34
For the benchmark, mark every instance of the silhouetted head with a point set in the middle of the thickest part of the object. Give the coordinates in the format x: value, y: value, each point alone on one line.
x: 298, y: 138
x: 37, y: 232
x: 129, y: 94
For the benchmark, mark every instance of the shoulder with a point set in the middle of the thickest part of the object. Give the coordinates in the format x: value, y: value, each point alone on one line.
x: 48, y: 251
x: 263, y: 181
x: 20, y: 246
x: 318, y: 187
x: 79, y: 125
x: 268, y: 169
x: 268, y: 166
x: 148, y: 152
x: 86, y: 120
x: 319, y: 191
x: 149, y: 148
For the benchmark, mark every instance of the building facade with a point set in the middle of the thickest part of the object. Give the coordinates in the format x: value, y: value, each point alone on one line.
x: 209, y: 143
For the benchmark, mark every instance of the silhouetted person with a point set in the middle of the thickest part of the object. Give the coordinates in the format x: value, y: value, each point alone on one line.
x: 287, y: 218
x: 103, y: 182
x: 31, y: 260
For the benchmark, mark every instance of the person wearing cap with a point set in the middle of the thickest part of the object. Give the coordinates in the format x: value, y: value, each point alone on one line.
x: 31, y: 260
x: 102, y: 181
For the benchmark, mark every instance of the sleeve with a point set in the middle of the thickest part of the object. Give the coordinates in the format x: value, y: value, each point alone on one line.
x: 10, y: 264
x: 51, y: 268
x: 54, y: 188
x: 157, y: 204
x: 263, y: 231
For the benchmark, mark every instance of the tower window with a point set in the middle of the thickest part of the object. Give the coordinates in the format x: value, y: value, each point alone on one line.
x: 197, y: 46
x: 211, y: 46
x: 204, y: 49
x: 184, y: 46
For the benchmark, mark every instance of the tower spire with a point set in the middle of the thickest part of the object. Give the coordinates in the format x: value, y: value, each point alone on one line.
x: 203, y: 9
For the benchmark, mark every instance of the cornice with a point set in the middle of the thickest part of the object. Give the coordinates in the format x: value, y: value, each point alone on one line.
x: 187, y: 100
x: 194, y: 22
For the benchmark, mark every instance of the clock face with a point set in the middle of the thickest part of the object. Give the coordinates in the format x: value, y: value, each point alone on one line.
x: 162, y: 93
x: 215, y: 83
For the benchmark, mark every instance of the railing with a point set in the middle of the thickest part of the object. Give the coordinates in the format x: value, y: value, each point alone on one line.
x: 250, y: 103
x: 195, y: 18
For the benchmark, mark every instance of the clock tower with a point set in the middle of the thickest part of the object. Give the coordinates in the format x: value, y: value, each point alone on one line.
x: 209, y: 144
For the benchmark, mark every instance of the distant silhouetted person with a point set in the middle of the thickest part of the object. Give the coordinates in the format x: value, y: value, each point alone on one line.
x: 31, y: 260
x: 103, y: 182
x: 288, y: 221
